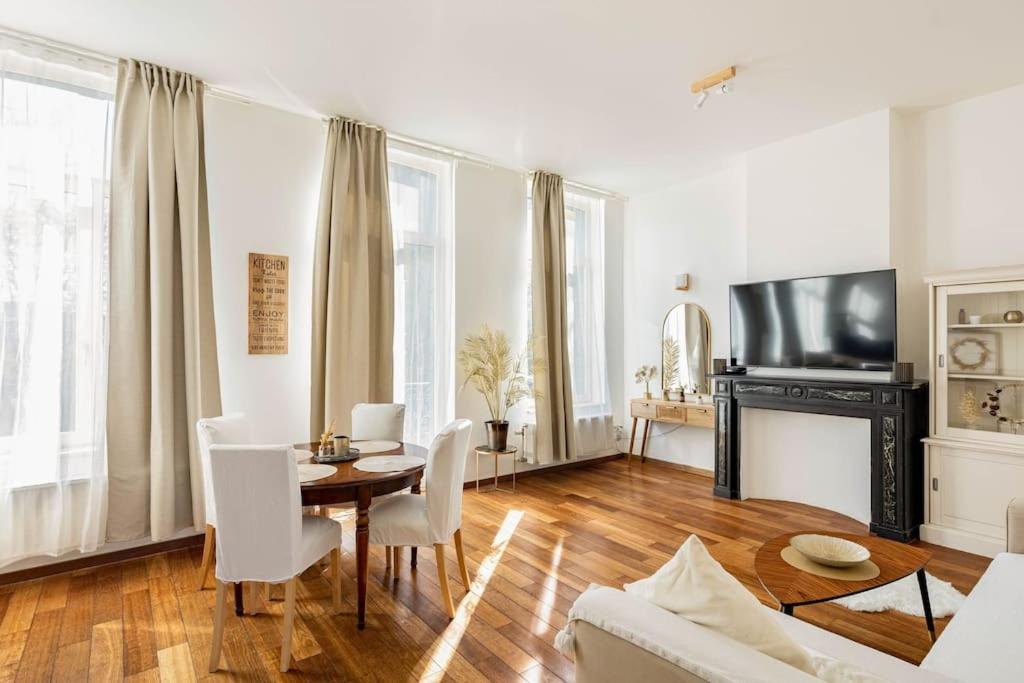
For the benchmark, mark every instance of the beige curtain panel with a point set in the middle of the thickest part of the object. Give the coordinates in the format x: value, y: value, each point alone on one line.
x: 353, y: 278
x: 555, y: 422
x: 163, y: 347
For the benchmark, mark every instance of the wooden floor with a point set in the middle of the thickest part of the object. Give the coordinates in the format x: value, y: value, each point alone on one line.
x: 530, y: 555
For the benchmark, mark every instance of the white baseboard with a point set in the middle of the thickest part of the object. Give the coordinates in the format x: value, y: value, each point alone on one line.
x: 962, y: 540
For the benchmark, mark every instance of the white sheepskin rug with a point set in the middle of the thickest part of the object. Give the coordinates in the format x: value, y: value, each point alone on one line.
x: 905, y: 596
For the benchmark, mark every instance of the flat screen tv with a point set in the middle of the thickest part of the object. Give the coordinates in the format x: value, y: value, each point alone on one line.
x: 833, y: 322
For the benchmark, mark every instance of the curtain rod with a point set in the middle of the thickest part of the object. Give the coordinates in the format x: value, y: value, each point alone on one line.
x: 56, y: 46
x: 228, y: 95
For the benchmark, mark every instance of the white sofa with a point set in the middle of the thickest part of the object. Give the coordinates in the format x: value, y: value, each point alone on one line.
x: 618, y: 637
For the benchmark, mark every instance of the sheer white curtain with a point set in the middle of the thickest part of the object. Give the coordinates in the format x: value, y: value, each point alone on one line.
x: 420, y: 196
x: 55, y: 125
x: 584, y: 237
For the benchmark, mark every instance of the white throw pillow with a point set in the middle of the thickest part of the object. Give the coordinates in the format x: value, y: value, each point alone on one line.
x: 695, y: 586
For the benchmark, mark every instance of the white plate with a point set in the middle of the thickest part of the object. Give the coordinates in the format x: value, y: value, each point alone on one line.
x: 375, y: 446
x: 388, y: 463
x: 302, y: 455
x: 308, y: 473
x: 830, y: 551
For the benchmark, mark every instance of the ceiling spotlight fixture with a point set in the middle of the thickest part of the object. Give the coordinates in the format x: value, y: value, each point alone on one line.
x: 716, y: 82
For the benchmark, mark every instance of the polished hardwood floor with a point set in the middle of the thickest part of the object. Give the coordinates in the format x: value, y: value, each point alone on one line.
x: 530, y: 555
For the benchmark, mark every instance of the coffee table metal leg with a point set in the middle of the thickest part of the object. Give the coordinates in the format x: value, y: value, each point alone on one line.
x: 922, y: 581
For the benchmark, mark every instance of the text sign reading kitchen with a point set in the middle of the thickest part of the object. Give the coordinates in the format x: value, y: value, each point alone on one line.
x: 268, y: 304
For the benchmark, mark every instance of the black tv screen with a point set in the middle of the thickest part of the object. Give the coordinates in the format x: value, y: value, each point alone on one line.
x: 833, y: 322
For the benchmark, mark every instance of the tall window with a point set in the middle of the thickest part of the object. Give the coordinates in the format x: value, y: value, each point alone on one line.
x: 55, y: 127
x: 584, y: 280
x: 421, y: 190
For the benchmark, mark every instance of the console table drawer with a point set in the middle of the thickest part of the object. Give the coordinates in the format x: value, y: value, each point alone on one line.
x: 644, y: 409
x: 701, y: 417
x: 671, y: 413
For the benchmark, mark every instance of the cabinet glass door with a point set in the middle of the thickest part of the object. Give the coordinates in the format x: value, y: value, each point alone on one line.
x: 980, y: 364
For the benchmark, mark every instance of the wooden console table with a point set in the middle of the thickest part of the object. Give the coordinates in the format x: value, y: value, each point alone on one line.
x: 673, y: 412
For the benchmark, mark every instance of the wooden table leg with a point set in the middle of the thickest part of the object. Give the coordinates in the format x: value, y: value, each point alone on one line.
x: 239, y: 602
x: 415, y: 490
x: 632, y: 438
x: 922, y: 581
x: 362, y: 551
x: 643, y: 442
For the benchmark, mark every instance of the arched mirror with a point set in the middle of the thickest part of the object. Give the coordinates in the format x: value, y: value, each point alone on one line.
x: 686, y: 350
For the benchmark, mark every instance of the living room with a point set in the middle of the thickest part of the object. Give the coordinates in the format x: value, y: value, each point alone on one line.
x: 395, y: 250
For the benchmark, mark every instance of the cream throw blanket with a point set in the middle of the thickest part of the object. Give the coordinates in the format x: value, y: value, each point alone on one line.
x: 696, y: 587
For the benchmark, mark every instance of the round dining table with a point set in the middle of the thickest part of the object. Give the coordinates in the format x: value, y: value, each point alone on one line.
x: 351, y: 485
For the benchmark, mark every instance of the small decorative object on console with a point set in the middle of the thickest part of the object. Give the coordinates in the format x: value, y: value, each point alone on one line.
x: 1013, y: 317
x: 644, y: 375
x: 830, y: 551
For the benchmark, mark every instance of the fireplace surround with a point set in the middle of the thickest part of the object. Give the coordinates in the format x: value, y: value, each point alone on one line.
x: 898, y: 412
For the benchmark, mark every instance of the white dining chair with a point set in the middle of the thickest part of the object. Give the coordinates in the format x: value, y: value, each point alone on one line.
x: 383, y: 421
x: 226, y: 429
x: 435, y: 518
x: 262, y: 535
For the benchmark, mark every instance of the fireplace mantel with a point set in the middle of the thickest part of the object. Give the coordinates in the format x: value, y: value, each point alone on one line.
x: 898, y: 412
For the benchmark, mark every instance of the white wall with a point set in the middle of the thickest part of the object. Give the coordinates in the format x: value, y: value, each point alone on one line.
x: 818, y: 203
x: 263, y: 178
x: 973, y: 161
x: 918, y: 191
x: 695, y: 228
x: 491, y: 275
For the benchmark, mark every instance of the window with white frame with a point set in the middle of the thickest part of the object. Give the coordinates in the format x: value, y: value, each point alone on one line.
x: 584, y: 285
x: 584, y: 280
x: 56, y: 116
x: 421, y: 204
x: 55, y: 135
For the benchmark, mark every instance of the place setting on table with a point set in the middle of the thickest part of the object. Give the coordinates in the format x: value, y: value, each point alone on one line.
x: 339, y: 470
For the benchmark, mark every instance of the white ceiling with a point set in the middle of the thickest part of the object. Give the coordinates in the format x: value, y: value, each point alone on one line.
x: 593, y: 89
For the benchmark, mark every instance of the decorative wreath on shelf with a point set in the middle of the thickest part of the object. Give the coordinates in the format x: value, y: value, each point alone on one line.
x: 971, y: 347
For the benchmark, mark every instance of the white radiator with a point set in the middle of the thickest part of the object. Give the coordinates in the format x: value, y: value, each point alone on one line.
x: 595, y: 436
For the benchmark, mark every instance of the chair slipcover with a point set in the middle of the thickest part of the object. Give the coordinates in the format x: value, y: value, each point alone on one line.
x: 433, y: 517
x: 226, y: 429
x: 261, y: 532
x: 383, y: 421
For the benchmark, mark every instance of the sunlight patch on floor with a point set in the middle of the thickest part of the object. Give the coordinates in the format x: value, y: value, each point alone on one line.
x: 444, y: 647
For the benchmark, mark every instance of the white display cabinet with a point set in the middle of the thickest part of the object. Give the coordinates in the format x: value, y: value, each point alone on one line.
x: 975, y: 453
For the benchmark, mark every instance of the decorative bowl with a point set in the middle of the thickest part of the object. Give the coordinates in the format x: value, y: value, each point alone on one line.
x: 830, y: 551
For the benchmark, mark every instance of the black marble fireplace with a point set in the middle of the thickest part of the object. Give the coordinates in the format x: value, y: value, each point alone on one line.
x: 899, y: 420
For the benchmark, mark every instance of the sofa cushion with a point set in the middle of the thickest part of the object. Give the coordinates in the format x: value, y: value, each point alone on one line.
x: 983, y: 641
x: 695, y: 586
